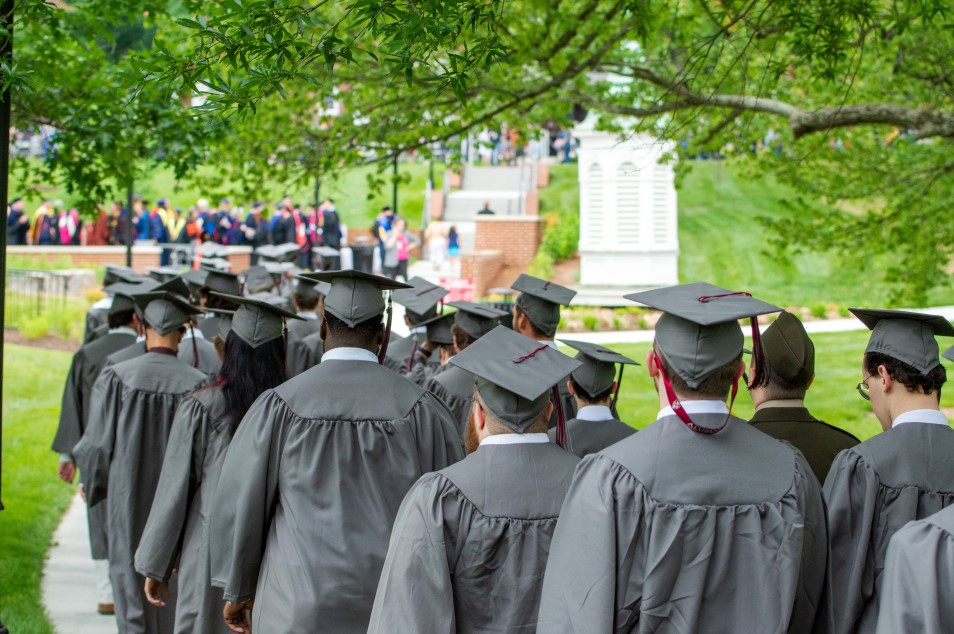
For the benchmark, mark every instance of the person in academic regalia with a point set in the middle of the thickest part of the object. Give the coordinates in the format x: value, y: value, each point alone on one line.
x: 316, y: 472
x: 779, y: 401
x: 454, y: 385
x: 470, y: 542
x: 121, y: 451
x: 98, y: 313
x: 918, y: 577
x: 536, y: 314
x: 698, y: 522
x: 903, y: 474
x: 177, y: 531
x: 220, y: 282
x: 413, y: 356
x: 595, y: 388
x: 74, y: 416
x: 307, y: 297
x: 199, y: 352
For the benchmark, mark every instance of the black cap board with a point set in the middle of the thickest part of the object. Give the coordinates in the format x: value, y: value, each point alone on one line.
x: 476, y: 319
x: 309, y: 289
x: 278, y: 252
x: 598, y: 371
x: 540, y: 301
x: 420, y: 299
x: 949, y: 354
x: 257, y: 322
x: 439, y: 329
x: 178, y: 286
x: 164, y: 273
x: 904, y: 335
x: 257, y: 280
x: 222, y: 282
x: 114, y: 274
x: 164, y: 311
x: 355, y: 296
x: 122, y: 293
x: 514, y: 374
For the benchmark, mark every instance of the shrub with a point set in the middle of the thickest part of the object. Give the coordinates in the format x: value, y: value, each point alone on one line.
x: 590, y: 322
x: 35, y: 327
x: 542, y: 265
x: 819, y: 310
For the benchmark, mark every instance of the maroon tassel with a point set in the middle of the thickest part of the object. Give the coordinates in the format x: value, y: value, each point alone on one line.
x: 562, y: 439
x: 682, y: 414
x: 530, y: 355
x: 387, y: 334
x: 195, y: 347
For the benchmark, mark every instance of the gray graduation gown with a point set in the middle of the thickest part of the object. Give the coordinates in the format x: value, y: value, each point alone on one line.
x: 674, y: 531
x: 209, y: 326
x: 470, y: 543
x: 590, y: 436
x: 120, y: 456
x: 87, y: 363
x: 917, y: 594
x: 133, y: 350
x: 400, y: 351
x: 873, y: 489
x: 200, y: 436
x: 301, y: 355
x: 455, y: 387
x: 310, y: 487
x: 209, y: 361
x: 569, y: 405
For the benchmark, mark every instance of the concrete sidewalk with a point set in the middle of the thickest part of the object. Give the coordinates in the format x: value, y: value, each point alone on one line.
x: 69, y: 581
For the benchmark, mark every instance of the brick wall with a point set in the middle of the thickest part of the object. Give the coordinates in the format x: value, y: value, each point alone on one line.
x: 239, y: 257
x: 517, y: 238
x: 482, y: 267
x: 543, y: 174
x: 437, y: 204
x: 143, y: 257
x: 531, y: 205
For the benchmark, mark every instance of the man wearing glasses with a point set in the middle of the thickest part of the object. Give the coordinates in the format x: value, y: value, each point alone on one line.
x: 903, y: 474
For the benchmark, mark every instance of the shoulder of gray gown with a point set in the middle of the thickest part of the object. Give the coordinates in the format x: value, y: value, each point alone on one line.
x: 209, y: 361
x: 918, y: 582
x: 590, y: 436
x: 914, y: 454
x: 153, y: 372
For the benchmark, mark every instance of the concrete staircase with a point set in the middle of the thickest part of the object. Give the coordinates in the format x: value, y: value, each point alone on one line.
x: 505, y: 188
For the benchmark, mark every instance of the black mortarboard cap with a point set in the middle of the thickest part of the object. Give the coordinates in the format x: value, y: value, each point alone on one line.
x: 195, y: 277
x: 476, y: 319
x: 698, y: 332
x: 257, y: 280
x: 309, y: 289
x: 164, y: 311
x: 224, y: 321
x: 540, y: 301
x: 256, y: 321
x: 598, y: 371
x: 949, y: 354
x: 278, y: 252
x: 514, y: 374
x: 420, y: 299
x: 114, y: 274
x: 178, y: 286
x: 355, y: 296
x: 122, y: 293
x: 164, y: 273
x: 439, y: 329
x: 788, y: 349
x: 222, y: 282
x: 905, y: 336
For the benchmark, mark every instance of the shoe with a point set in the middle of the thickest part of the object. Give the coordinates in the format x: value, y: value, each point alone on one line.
x: 107, y: 609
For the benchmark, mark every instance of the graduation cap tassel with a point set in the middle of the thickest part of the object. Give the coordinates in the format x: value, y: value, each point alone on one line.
x: 758, y: 355
x: 619, y: 384
x: 387, y: 334
x: 681, y: 412
x: 195, y: 347
x: 561, y: 436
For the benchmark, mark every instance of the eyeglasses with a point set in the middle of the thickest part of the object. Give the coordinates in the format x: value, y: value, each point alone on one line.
x: 863, y: 390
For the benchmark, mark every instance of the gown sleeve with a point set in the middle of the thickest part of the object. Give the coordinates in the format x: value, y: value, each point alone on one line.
x: 438, y: 440
x: 579, y: 587
x: 180, y: 477
x: 244, y: 502
x: 918, y: 581
x: 94, y: 451
x: 851, y: 491
x: 812, y: 611
x: 414, y: 592
x: 70, y: 428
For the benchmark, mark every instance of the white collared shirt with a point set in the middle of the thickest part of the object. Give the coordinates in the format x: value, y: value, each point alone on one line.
x: 594, y: 413
x: 696, y: 407
x: 549, y: 342
x: 103, y: 304
x: 307, y: 315
x: 349, y: 354
x: 193, y: 333
x: 418, y: 330
x: 929, y: 416
x: 123, y: 330
x: 511, y: 439
x: 140, y: 338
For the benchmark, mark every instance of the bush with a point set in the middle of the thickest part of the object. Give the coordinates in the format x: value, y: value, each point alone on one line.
x: 542, y: 265
x: 35, y: 327
x: 561, y: 236
x: 590, y: 322
x: 819, y: 310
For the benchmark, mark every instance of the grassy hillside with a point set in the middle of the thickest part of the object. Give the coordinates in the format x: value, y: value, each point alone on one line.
x: 721, y: 241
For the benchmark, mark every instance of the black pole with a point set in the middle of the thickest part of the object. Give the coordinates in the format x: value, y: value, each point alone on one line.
x: 127, y: 230
x: 430, y: 175
x: 394, y: 188
x: 6, y: 57
x: 317, y: 191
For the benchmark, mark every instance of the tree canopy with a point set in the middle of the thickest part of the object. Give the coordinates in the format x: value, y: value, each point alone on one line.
x: 849, y: 101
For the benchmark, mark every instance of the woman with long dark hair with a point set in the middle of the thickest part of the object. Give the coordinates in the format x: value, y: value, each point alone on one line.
x: 177, y: 532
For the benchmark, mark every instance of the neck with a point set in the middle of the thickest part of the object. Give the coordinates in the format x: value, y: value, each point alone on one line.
x: 908, y: 402
x: 331, y: 344
x: 155, y: 340
x: 781, y: 402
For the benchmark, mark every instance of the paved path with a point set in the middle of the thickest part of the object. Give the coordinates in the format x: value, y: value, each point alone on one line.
x: 69, y: 582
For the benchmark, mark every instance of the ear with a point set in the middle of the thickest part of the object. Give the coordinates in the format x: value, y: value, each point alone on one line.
x: 550, y: 409
x: 886, y: 381
x: 381, y: 335
x: 651, y: 367
x: 480, y: 418
x: 569, y: 387
x: 323, y: 327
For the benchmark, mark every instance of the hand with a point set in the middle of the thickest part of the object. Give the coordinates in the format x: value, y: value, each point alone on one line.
x: 67, y: 472
x: 155, y: 590
x: 82, y: 492
x: 236, y: 616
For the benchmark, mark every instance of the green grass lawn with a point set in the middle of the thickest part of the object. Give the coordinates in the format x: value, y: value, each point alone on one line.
x: 831, y: 398
x: 721, y: 242
x: 33, y: 496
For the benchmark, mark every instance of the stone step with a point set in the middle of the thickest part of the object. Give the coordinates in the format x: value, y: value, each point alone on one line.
x: 464, y: 205
x: 497, y: 178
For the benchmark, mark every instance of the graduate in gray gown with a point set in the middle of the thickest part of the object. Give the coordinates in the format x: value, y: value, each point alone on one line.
x: 87, y: 363
x: 316, y: 472
x: 454, y: 385
x: 595, y: 387
x: 206, y: 282
x: 413, y: 356
x: 199, y: 352
x: 304, y: 341
x: 905, y: 473
x: 121, y: 452
x: 470, y: 543
x: 536, y: 314
x: 177, y: 531
x: 698, y: 522
x: 918, y: 577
